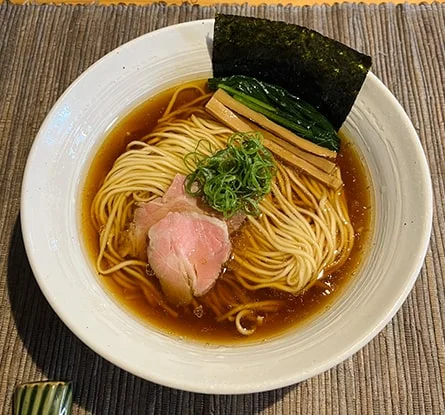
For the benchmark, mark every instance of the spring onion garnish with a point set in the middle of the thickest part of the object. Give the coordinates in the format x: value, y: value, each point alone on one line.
x: 236, y: 178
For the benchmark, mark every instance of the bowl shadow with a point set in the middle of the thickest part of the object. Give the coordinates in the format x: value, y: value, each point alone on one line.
x: 99, y: 387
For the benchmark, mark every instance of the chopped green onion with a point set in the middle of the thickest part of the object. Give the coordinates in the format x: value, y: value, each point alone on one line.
x: 234, y: 179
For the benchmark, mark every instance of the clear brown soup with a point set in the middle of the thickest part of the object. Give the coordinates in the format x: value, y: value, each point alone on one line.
x: 298, y: 308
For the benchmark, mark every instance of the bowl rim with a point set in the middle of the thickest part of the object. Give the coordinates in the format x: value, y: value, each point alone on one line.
x: 222, y: 388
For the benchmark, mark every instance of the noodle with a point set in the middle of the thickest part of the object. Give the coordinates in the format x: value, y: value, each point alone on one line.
x: 302, y: 234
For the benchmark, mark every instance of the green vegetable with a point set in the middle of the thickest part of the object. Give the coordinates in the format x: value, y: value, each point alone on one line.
x: 235, y: 178
x: 281, y: 107
x: 319, y: 70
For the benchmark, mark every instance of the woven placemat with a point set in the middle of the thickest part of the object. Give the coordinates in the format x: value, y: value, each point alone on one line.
x: 44, y: 48
x: 202, y: 2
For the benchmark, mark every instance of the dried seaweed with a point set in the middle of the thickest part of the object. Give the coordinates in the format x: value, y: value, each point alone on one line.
x: 320, y: 70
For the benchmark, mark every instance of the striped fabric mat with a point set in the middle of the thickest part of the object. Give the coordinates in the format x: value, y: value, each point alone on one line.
x: 200, y: 2
x: 44, y: 48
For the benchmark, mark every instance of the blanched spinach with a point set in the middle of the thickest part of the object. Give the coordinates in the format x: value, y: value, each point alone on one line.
x: 280, y: 106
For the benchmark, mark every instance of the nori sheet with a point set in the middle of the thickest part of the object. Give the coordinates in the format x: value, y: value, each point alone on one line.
x: 322, y: 71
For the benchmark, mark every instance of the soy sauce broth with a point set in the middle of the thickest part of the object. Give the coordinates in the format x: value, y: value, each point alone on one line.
x: 298, y: 309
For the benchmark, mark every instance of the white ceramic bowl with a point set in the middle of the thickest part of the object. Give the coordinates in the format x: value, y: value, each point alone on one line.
x: 54, y: 174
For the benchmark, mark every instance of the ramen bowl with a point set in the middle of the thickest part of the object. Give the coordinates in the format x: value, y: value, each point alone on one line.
x: 52, y: 186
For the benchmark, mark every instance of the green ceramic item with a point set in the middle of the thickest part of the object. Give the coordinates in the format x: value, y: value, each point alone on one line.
x: 43, y: 398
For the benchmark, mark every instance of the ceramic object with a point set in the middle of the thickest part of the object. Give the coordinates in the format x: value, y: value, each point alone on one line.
x: 55, y: 171
x: 45, y: 398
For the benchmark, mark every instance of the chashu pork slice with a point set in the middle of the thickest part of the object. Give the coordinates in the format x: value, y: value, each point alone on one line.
x: 186, y: 252
x: 175, y: 199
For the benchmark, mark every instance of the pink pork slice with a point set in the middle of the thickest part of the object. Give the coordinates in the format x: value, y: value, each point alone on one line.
x: 186, y: 252
x: 175, y: 199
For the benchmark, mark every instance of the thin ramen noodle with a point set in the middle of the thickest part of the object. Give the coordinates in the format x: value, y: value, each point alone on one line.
x: 302, y: 237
